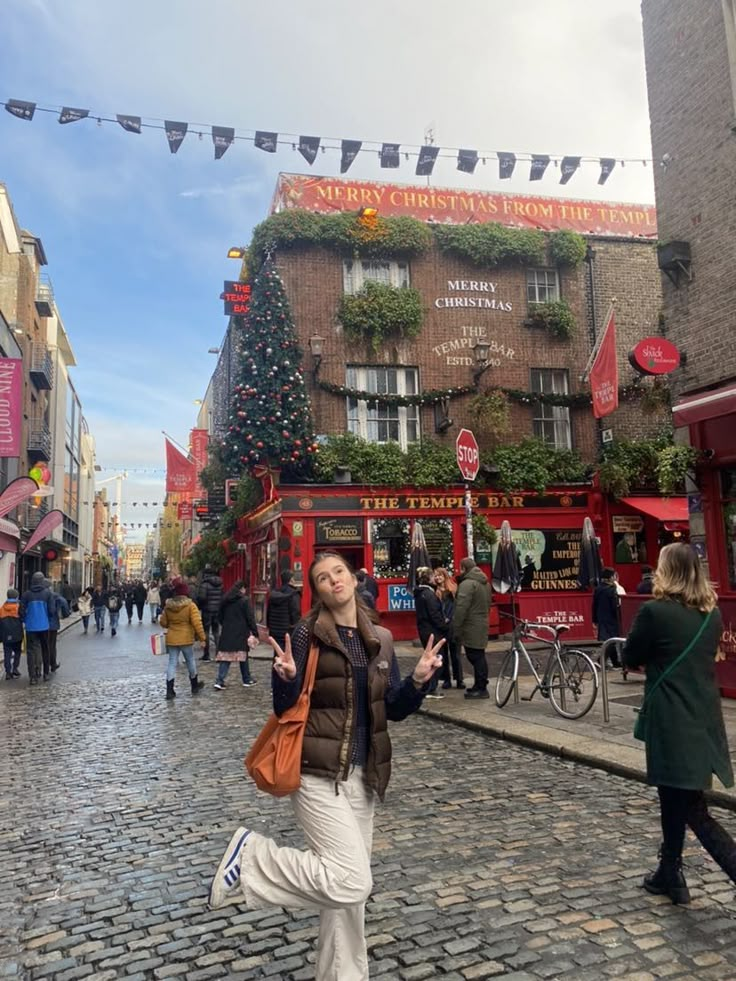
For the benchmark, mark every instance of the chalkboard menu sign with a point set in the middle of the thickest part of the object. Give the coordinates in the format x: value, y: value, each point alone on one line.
x: 438, y: 536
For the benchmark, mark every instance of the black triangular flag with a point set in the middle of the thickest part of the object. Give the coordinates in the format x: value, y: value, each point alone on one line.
x: 506, y: 164
x: 607, y: 165
x: 266, y: 141
x: 23, y: 110
x: 426, y: 159
x: 308, y: 147
x: 390, y: 155
x: 540, y: 162
x: 69, y: 115
x: 222, y: 137
x: 350, y: 150
x: 175, y: 133
x: 467, y: 160
x: 568, y: 166
x: 131, y: 124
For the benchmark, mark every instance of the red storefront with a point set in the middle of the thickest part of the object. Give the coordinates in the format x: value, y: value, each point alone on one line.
x: 372, y: 527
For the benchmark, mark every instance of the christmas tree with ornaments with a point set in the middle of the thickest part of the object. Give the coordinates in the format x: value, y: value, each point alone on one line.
x: 271, y: 418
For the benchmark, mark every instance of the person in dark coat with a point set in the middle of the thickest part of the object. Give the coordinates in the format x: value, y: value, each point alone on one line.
x: 470, y: 621
x: 362, y: 590
x: 99, y: 606
x: 139, y: 595
x: 606, y: 606
x: 37, y: 607
x: 129, y: 595
x: 61, y: 611
x: 446, y: 589
x: 371, y: 585
x: 209, y: 597
x: 284, y: 609
x: 647, y: 581
x: 684, y: 733
x: 430, y: 618
x: 238, y: 635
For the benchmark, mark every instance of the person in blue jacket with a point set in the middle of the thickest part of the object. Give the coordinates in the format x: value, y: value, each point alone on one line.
x: 37, y: 608
x: 61, y: 609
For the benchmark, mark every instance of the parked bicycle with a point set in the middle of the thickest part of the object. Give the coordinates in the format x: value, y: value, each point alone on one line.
x: 569, y: 680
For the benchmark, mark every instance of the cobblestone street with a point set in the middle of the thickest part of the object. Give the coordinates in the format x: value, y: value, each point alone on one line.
x: 490, y: 859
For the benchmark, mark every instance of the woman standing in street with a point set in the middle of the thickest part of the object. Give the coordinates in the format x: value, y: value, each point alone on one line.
x: 183, y: 622
x: 675, y: 637
x: 238, y: 635
x: 84, y: 604
x: 446, y: 588
x: 346, y: 764
x: 430, y: 618
x: 153, y: 598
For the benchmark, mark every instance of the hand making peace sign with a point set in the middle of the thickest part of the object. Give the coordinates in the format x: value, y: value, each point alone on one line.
x: 429, y: 662
x: 283, y: 664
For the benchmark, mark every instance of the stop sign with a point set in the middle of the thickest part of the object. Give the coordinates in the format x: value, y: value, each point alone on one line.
x: 468, y: 457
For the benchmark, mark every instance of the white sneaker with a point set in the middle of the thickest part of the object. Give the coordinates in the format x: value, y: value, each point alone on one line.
x: 226, y: 880
x: 249, y: 684
x: 219, y: 685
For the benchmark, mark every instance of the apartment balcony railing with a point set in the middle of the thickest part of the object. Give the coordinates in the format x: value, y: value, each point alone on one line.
x: 39, y: 442
x: 45, y: 298
x: 41, y: 368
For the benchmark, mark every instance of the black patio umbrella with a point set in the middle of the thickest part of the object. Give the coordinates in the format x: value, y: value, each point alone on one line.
x: 506, y: 576
x: 590, y: 558
x: 419, y: 555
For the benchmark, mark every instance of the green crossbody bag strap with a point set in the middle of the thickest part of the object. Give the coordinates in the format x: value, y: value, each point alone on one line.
x: 677, y: 660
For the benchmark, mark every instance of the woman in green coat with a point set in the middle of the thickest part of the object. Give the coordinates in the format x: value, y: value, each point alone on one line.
x: 684, y: 732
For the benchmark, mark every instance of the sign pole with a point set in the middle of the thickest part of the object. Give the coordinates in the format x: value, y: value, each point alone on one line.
x: 469, y: 520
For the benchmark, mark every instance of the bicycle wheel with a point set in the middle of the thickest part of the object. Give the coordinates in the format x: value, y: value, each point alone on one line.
x: 573, y: 684
x: 507, y: 677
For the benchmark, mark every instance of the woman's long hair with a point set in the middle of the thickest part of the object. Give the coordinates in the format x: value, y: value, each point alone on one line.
x: 451, y: 588
x: 679, y: 576
x: 233, y: 593
x: 317, y: 605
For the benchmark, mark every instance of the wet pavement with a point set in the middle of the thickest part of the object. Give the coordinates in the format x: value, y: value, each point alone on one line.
x: 491, y: 859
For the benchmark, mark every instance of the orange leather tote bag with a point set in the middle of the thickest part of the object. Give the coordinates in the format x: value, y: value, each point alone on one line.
x: 275, y: 758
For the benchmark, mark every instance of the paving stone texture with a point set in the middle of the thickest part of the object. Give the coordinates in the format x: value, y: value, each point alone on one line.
x: 490, y: 860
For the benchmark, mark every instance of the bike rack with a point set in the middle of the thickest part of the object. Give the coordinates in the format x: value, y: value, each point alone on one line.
x: 602, y: 658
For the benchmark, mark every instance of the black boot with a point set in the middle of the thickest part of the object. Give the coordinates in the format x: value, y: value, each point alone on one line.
x: 170, y: 693
x: 197, y: 685
x: 668, y: 879
x: 714, y: 838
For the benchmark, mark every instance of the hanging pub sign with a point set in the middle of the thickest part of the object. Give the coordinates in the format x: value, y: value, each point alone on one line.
x: 654, y: 356
x: 338, y: 531
x: 184, y: 511
x: 236, y: 297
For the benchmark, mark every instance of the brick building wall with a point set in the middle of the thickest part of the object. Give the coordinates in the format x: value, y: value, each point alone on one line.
x: 691, y: 65
x: 443, y: 352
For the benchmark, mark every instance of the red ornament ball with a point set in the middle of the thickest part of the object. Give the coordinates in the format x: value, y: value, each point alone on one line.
x: 259, y: 444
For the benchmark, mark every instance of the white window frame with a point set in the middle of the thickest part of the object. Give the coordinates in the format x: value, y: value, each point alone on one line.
x: 542, y: 285
x: 357, y: 272
x: 367, y: 419
x: 552, y: 381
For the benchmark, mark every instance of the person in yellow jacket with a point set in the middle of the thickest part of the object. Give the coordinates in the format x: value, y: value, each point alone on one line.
x: 183, y: 622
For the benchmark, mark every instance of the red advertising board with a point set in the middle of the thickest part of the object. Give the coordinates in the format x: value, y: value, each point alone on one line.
x: 236, y: 297
x: 184, y: 511
x: 604, y: 373
x: 11, y: 395
x: 654, y: 356
x: 181, y: 476
x: 467, y: 453
x: 455, y: 206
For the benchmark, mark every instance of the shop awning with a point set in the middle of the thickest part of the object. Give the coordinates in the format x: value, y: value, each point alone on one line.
x: 669, y: 509
x: 706, y: 405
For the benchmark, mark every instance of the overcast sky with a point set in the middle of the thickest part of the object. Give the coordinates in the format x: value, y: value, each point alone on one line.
x: 136, y: 237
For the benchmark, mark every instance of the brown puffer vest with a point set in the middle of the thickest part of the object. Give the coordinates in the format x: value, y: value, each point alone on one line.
x: 329, y: 732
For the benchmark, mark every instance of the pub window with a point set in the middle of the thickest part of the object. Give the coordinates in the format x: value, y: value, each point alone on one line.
x: 542, y: 285
x: 552, y: 422
x: 728, y: 504
x: 391, y: 548
x: 438, y: 537
x: 383, y: 422
x: 357, y: 272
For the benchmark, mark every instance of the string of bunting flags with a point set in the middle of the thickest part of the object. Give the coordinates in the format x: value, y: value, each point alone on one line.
x: 389, y: 154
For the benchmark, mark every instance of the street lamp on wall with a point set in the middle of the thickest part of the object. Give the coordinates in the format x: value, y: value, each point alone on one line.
x: 315, y: 346
x: 482, y: 351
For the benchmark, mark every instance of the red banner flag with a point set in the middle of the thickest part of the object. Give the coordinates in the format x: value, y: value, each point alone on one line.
x: 11, y: 405
x: 198, y: 442
x: 46, y: 525
x: 604, y: 373
x: 181, y: 474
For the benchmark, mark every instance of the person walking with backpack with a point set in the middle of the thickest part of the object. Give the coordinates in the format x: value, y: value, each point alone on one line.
x: 61, y: 610
x: 115, y: 600
x: 472, y: 606
x: 183, y: 622
x: 675, y: 637
x: 238, y: 635
x: 209, y: 597
x: 11, y: 632
x: 37, y: 607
